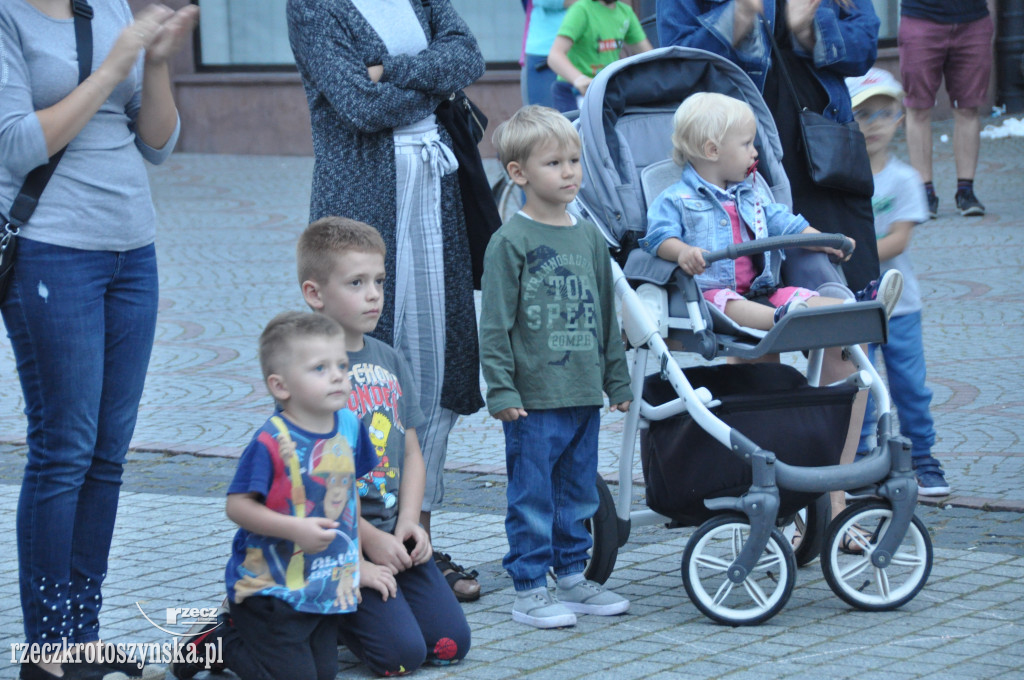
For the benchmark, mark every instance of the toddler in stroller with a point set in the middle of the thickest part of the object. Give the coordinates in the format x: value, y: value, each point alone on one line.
x: 739, y: 472
x: 721, y: 199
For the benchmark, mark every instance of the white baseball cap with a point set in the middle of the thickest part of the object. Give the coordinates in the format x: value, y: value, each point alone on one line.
x: 875, y: 82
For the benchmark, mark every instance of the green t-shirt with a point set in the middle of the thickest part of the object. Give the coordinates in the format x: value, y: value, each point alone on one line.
x: 598, y: 32
x: 549, y: 337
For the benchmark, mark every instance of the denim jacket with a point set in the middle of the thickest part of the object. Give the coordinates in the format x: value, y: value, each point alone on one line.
x: 691, y: 210
x: 846, y: 42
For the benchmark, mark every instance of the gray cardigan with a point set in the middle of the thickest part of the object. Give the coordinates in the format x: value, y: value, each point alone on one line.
x: 354, y: 169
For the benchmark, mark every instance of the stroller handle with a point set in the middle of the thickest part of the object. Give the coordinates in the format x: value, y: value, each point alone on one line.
x: 780, y: 243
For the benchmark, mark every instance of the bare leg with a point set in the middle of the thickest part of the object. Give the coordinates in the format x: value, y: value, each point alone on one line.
x: 966, y: 141
x: 750, y: 314
x: 919, y: 142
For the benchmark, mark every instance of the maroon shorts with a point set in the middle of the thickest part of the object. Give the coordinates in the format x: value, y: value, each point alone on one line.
x: 960, y: 52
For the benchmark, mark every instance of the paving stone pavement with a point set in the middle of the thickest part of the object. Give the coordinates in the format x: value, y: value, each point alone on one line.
x: 226, y: 242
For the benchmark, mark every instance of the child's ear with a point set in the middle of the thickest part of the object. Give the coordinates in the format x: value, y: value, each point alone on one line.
x: 515, y: 173
x: 277, y: 388
x: 710, y: 150
x: 311, y: 294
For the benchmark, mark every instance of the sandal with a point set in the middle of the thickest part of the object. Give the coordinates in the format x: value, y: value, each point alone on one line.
x: 851, y: 545
x: 453, y: 573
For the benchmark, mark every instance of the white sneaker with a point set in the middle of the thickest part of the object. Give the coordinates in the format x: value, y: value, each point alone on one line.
x: 587, y: 597
x: 886, y: 290
x: 538, y: 609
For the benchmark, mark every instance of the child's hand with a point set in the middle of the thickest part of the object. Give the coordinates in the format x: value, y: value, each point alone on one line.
x: 509, y: 415
x: 623, y: 407
x: 410, y: 533
x: 314, y: 534
x: 378, y: 578
x: 388, y: 552
x: 691, y: 260
x: 582, y: 82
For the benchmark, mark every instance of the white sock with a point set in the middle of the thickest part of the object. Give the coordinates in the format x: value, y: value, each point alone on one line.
x: 566, y: 582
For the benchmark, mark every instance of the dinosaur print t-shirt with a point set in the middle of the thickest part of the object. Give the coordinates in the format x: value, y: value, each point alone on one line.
x: 302, y: 474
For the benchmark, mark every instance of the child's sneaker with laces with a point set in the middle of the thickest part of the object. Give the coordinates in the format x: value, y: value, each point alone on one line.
x: 886, y: 290
x: 968, y: 204
x: 587, y: 597
x: 538, y: 609
x: 933, y: 206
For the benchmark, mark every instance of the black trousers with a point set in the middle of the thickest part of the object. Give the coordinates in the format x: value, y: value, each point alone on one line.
x: 269, y: 640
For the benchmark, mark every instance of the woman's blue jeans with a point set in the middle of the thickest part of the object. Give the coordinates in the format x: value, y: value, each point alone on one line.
x: 551, y: 456
x: 81, y: 324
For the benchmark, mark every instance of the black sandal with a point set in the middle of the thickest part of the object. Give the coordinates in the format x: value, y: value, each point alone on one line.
x: 453, y: 573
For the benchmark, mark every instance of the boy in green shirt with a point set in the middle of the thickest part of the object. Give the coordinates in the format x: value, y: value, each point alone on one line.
x: 591, y: 37
x: 549, y: 346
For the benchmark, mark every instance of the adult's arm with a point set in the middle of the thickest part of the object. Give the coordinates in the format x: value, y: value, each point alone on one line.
x: 29, y: 137
x: 845, y: 39
x: 451, y: 61
x: 325, y: 50
x: 725, y: 28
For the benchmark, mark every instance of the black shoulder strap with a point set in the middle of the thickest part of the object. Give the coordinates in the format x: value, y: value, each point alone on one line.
x: 25, y: 204
x: 780, y: 61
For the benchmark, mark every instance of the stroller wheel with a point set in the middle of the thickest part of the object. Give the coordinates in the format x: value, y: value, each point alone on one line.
x: 846, y: 560
x: 710, y: 552
x: 604, y: 529
x: 806, y: 533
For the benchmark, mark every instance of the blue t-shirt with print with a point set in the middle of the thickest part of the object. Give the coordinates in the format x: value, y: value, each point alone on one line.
x: 302, y: 474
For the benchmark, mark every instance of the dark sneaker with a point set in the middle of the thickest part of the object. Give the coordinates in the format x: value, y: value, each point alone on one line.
x: 930, y: 479
x: 886, y: 290
x: 933, y: 205
x: 191, y: 658
x: 791, y: 306
x: 968, y: 203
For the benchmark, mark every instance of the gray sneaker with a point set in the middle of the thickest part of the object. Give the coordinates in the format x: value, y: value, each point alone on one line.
x: 587, y: 597
x: 886, y: 290
x: 538, y: 609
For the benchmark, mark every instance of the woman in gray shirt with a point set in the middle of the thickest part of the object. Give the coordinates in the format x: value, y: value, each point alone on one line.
x: 81, y: 308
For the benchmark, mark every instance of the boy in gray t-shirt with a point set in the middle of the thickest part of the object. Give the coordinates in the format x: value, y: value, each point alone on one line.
x: 341, y: 270
x: 899, y: 203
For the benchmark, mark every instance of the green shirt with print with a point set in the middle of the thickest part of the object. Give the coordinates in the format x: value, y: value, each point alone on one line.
x: 598, y: 32
x: 549, y: 336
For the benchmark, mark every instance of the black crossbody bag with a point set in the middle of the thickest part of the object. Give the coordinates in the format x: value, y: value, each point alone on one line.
x: 836, y: 153
x: 28, y: 197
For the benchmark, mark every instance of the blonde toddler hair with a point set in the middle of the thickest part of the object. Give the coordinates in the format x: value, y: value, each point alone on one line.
x: 703, y: 117
x: 531, y: 125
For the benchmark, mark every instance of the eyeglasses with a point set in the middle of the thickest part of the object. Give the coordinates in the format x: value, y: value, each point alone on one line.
x: 882, y: 115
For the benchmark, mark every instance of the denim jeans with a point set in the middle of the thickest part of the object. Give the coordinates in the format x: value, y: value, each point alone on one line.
x: 551, y: 456
x: 534, y: 83
x: 905, y: 371
x: 563, y: 96
x: 81, y: 325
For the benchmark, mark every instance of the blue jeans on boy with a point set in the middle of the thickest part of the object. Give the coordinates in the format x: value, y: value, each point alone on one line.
x: 81, y: 324
x: 563, y: 96
x: 905, y: 369
x: 551, y: 456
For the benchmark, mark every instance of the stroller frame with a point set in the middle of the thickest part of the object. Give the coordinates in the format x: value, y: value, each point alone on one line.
x: 749, y: 521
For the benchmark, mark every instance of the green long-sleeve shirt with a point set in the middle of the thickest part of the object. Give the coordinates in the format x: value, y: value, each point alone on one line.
x: 549, y: 337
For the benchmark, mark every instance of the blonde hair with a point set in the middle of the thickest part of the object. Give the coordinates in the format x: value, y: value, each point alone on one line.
x: 276, y: 338
x: 704, y: 117
x: 327, y: 238
x: 516, y: 138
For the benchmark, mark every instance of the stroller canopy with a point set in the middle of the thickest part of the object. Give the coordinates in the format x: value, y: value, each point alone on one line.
x: 625, y: 123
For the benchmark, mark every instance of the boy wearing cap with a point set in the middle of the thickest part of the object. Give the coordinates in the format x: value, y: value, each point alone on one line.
x: 899, y: 203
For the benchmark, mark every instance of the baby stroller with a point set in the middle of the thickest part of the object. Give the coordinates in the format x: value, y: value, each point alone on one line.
x: 737, y: 450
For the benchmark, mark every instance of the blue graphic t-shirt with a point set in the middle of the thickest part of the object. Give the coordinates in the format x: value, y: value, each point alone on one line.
x: 302, y: 474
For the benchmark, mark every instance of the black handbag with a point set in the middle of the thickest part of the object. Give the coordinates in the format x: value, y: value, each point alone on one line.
x: 465, y: 123
x: 28, y: 197
x: 836, y: 153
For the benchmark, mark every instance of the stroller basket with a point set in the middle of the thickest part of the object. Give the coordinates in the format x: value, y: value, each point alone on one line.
x: 770, y: 403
